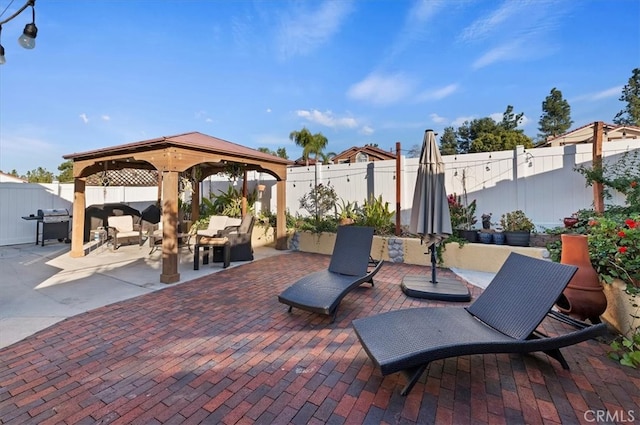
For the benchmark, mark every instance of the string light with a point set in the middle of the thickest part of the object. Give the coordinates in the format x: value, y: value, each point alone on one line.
x: 28, y: 37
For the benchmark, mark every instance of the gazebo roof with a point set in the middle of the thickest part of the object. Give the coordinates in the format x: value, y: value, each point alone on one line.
x: 193, y: 140
x: 184, y: 150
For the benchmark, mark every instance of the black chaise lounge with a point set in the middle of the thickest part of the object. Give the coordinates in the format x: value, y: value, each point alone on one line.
x: 351, y: 265
x: 503, y: 319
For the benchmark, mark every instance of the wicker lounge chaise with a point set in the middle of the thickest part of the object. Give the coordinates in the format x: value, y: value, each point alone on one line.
x: 503, y: 319
x: 351, y: 265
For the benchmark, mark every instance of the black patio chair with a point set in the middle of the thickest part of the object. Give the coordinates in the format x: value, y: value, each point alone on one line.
x: 239, y: 239
x: 351, y: 265
x: 503, y: 319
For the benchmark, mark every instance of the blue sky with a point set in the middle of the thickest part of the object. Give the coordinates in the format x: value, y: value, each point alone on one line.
x: 108, y: 72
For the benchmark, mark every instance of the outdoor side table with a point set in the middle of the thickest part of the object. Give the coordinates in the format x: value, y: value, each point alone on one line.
x: 100, y: 237
x: 214, y: 243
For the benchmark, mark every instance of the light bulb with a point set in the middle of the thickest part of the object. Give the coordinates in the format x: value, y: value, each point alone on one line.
x: 28, y: 37
x: 2, y: 59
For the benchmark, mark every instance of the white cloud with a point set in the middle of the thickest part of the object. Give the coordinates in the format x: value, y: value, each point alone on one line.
x: 612, y: 92
x: 518, y: 30
x: 366, y: 130
x: 483, y: 26
x: 204, y: 116
x: 437, y: 118
x: 381, y: 89
x: 268, y: 110
x: 416, y: 26
x: 461, y: 120
x: 504, y: 52
x: 105, y: 118
x: 438, y: 94
x: 84, y: 117
x: 327, y: 118
x: 304, y: 31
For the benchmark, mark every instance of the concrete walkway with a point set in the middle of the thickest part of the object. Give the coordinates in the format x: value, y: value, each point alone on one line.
x: 42, y: 285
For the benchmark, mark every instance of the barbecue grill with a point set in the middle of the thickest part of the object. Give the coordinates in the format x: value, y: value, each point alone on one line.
x: 55, y: 224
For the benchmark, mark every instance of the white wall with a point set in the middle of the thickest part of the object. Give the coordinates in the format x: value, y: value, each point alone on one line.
x: 541, y: 182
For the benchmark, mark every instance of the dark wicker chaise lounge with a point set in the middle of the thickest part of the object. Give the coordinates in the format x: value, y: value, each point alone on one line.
x: 351, y: 265
x: 503, y: 319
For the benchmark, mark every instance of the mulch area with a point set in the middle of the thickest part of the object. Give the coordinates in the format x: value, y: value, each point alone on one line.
x: 222, y: 350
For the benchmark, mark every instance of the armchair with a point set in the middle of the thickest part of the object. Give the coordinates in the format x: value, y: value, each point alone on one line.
x: 122, y: 227
x: 240, y: 239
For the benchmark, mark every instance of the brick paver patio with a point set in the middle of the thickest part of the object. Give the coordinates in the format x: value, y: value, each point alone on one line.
x: 222, y: 350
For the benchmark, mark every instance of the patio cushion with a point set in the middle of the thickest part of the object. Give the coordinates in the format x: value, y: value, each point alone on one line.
x: 123, y: 223
x: 217, y: 223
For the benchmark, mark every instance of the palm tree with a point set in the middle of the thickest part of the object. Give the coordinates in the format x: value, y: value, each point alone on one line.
x: 310, y: 143
x: 326, y: 157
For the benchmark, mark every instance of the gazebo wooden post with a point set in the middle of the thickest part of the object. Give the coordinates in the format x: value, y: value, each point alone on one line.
x: 169, y: 227
x: 195, y: 201
x: 598, y: 197
x: 398, y: 191
x: 79, y: 205
x: 244, y: 193
x: 281, y: 218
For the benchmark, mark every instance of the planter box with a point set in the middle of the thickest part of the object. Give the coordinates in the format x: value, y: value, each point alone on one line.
x: 265, y: 236
x: 620, y: 309
x: 470, y: 256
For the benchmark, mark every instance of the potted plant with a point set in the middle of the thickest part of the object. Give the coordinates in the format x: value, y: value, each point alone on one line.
x: 571, y: 221
x: 486, y: 221
x: 517, y: 228
x: 463, y: 217
x: 348, y: 213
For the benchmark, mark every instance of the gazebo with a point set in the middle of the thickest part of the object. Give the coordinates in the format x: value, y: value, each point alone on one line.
x: 194, y: 154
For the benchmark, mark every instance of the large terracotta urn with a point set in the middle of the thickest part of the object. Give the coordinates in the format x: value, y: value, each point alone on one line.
x: 583, y: 297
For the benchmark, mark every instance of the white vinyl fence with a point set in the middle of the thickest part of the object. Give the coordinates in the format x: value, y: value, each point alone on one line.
x: 542, y: 182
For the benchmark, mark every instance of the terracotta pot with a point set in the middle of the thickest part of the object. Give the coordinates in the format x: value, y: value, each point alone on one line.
x: 583, y: 298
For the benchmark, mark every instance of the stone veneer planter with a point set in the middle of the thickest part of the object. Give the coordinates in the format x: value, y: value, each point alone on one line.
x: 470, y: 256
x: 620, y: 308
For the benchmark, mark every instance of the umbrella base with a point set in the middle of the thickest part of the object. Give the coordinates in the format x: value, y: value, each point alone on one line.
x: 445, y: 289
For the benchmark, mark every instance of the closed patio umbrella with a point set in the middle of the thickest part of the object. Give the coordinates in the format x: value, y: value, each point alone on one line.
x: 431, y: 219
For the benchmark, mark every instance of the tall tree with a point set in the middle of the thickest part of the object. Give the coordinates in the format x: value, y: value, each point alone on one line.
x: 486, y: 135
x: 630, y: 115
x: 66, y: 172
x: 448, y: 142
x: 310, y: 143
x: 556, y: 116
x: 39, y: 175
x: 510, y: 121
x: 281, y: 152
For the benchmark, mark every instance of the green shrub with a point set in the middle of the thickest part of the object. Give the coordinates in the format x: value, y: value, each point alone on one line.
x: 516, y: 221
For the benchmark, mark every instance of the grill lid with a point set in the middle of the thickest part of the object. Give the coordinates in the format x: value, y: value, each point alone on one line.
x: 53, y: 215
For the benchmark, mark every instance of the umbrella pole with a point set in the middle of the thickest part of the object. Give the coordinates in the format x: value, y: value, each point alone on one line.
x: 433, y: 263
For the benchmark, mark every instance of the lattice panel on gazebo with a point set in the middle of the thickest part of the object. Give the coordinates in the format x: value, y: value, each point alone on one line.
x: 124, y: 177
